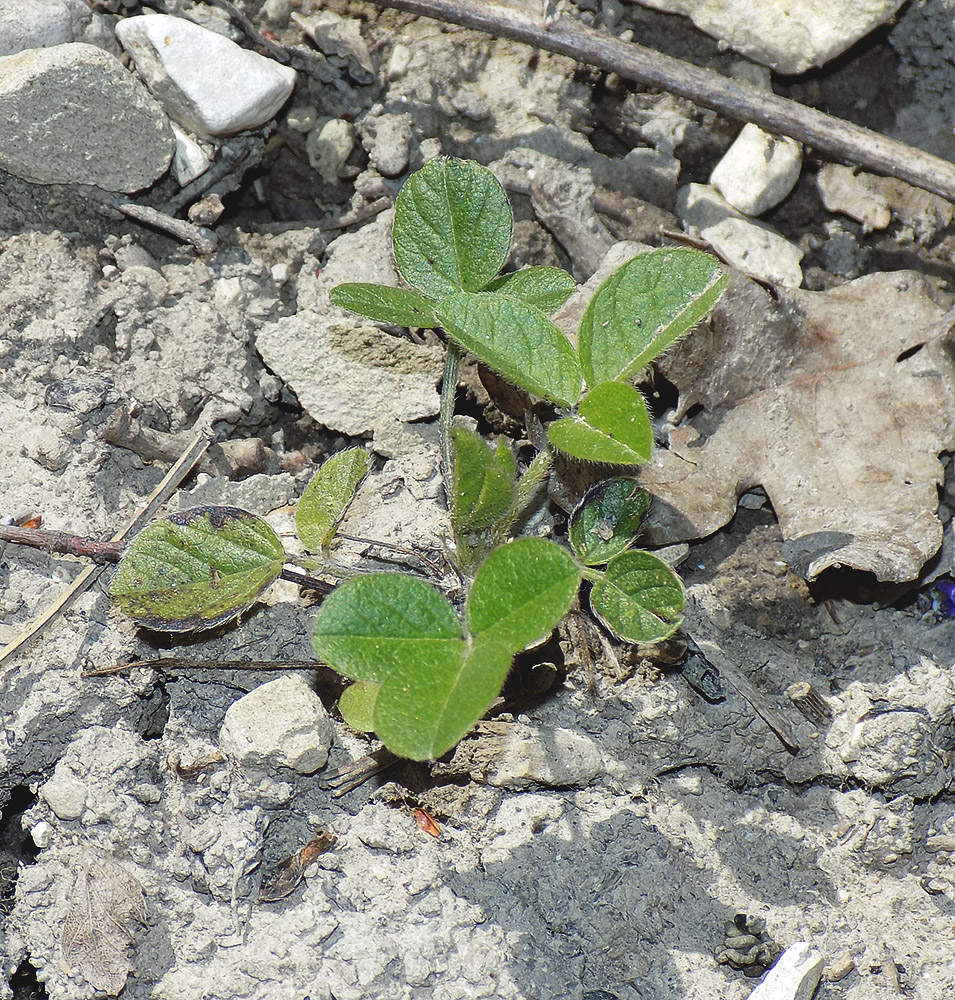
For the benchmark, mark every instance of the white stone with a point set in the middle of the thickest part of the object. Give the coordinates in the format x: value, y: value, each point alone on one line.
x: 282, y: 722
x: 842, y: 190
x: 42, y: 834
x: 788, y: 37
x: 794, y: 976
x: 758, y: 171
x: 750, y: 246
x: 114, y: 136
x: 36, y: 24
x: 64, y: 793
x: 190, y: 160
x: 329, y: 147
x: 205, y: 82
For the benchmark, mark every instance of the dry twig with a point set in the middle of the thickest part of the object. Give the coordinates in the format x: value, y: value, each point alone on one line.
x: 832, y: 136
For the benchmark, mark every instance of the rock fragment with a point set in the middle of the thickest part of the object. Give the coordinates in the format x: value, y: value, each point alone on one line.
x: 205, y: 82
x: 64, y: 793
x: 282, y: 722
x: 35, y: 24
x: 113, y: 135
x: 794, y: 977
x: 789, y: 38
x: 758, y: 171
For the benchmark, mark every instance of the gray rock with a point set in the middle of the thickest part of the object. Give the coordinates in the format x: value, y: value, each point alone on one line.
x: 64, y: 793
x: 790, y: 38
x: 758, y: 171
x: 281, y: 722
x: 204, y: 81
x: 115, y: 135
x: 35, y: 24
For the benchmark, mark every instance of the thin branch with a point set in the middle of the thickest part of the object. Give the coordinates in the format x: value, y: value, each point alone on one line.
x: 826, y: 134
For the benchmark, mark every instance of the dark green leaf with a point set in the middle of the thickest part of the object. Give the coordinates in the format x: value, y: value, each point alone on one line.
x: 372, y: 624
x: 643, y: 307
x: 452, y: 229
x: 545, y: 288
x: 357, y: 705
x: 613, y: 426
x: 327, y: 496
x: 483, y: 482
x: 639, y: 599
x: 424, y: 708
x: 521, y: 592
x: 197, y: 568
x: 607, y: 520
x: 516, y: 340
x: 385, y: 304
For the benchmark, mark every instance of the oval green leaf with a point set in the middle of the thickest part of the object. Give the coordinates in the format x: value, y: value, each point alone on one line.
x: 197, y: 568
x: 372, y: 624
x: 607, y: 519
x: 385, y: 304
x: 516, y: 340
x: 613, y: 426
x: 639, y: 598
x: 483, y: 482
x: 452, y: 229
x: 327, y: 496
x: 643, y: 307
x: 357, y: 705
x: 545, y: 288
x: 521, y: 592
x: 424, y: 709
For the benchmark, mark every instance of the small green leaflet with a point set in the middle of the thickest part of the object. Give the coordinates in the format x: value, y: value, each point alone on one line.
x: 516, y: 340
x: 613, y: 426
x: 327, y: 496
x: 197, y: 568
x: 545, y: 288
x: 357, y: 705
x: 385, y: 304
x: 452, y: 229
x: 607, y: 519
x: 643, y: 307
x: 639, y: 598
x: 484, y: 482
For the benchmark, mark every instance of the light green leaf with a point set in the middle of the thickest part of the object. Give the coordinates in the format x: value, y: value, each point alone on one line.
x: 327, y: 496
x: 639, y: 598
x: 423, y: 710
x: 607, y: 519
x: 516, y: 340
x: 452, y: 229
x: 483, y: 482
x: 372, y: 624
x: 357, y: 705
x: 613, y: 426
x: 197, y: 568
x: 643, y: 307
x: 385, y: 304
x: 545, y: 288
x: 521, y: 592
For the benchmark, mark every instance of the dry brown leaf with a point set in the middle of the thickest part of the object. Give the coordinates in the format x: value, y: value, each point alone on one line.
x: 95, y: 938
x: 288, y: 874
x: 837, y: 403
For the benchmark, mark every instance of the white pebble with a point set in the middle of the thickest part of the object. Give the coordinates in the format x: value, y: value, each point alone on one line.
x: 758, y: 171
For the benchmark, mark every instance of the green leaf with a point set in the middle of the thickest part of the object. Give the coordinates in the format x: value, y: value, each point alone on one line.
x: 607, y: 519
x: 424, y: 710
x: 516, y: 340
x: 452, y: 229
x: 370, y: 625
x: 643, y: 307
x: 357, y: 705
x: 327, y: 496
x: 483, y: 482
x: 197, y: 568
x: 545, y: 288
x: 613, y: 426
x: 385, y: 304
x: 639, y: 598
x: 521, y: 592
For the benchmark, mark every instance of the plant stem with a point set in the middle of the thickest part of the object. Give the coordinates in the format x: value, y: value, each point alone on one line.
x: 533, y: 476
x: 449, y: 388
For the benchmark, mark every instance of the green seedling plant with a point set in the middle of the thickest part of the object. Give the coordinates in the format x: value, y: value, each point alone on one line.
x: 424, y: 669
